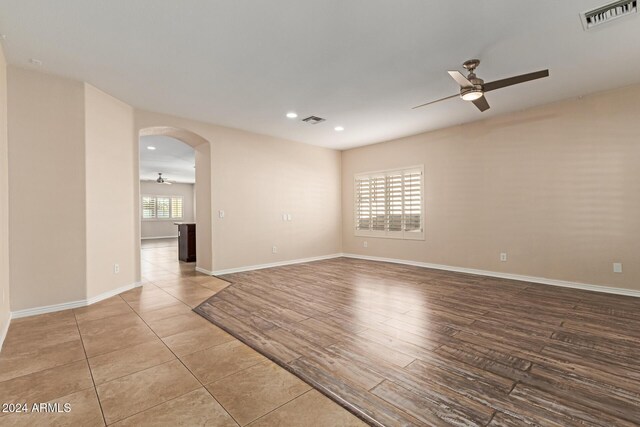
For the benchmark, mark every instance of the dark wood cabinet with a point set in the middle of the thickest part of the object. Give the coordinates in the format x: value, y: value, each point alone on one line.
x: 186, y: 242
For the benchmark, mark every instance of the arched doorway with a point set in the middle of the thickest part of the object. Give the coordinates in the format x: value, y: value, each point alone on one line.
x: 201, y: 146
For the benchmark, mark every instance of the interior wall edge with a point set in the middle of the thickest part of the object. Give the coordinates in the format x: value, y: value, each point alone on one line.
x: 5, y: 299
x: 4, y: 329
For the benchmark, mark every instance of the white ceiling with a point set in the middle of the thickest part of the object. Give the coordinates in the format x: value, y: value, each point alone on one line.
x: 174, y: 158
x: 361, y: 64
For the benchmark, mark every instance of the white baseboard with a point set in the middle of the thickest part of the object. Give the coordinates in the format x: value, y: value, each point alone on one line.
x: 73, y: 304
x: 511, y: 276
x: 159, y: 237
x: 269, y: 265
x: 202, y: 270
x: 112, y: 293
x: 4, y: 330
x: 541, y: 280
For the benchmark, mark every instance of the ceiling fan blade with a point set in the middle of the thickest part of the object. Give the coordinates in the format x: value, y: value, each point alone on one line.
x: 498, y: 84
x: 481, y: 103
x: 460, y: 79
x: 433, y: 102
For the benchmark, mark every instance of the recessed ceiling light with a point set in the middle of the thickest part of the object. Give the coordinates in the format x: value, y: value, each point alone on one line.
x: 338, y: 128
x: 151, y: 147
x: 292, y: 115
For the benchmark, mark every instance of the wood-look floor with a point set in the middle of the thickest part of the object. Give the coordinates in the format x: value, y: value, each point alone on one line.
x: 401, y: 345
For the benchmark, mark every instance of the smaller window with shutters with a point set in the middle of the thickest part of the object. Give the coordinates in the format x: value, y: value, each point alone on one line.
x: 162, y: 207
x: 148, y: 207
x: 390, y: 203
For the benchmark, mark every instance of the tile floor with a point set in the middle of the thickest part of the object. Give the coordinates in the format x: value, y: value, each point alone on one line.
x: 144, y: 358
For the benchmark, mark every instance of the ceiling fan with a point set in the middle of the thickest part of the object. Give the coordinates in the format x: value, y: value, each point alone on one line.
x: 161, y: 180
x: 473, y: 88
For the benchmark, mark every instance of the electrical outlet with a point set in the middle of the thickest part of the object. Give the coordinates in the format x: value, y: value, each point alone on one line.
x: 617, y: 267
x: 284, y: 217
x: 503, y: 257
x: 221, y: 214
x: 274, y: 250
x: 116, y: 268
x: 365, y: 244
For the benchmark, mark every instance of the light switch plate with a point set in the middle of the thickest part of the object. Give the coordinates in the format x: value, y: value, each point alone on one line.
x: 617, y: 267
x: 220, y: 214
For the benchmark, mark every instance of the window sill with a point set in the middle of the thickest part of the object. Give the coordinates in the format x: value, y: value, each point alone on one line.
x: 397, y: 235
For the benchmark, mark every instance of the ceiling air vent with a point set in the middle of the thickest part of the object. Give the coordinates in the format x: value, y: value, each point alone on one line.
x: 608, y: 13
x: 313, y: 120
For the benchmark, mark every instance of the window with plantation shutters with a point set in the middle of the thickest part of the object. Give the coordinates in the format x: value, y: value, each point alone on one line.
x: 390, y: 204
x: 148, y: 207
x: 162, y: 207
x: 176, y: 207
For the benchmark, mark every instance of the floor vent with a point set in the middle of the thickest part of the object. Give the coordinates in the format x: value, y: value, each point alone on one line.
x: 608, y: 13
x: 313, y: 120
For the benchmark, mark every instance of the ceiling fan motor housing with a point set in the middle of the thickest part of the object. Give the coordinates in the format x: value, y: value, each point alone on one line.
x: 471, y: 64
x: 472, y: 92
x: 476, y: 91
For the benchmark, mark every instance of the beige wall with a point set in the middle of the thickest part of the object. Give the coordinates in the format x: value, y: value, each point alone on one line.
x: 255, y: 179
x: 4, y: 202
x: 46, y: 189
x: 110, y: 203
x: 556, y: 187
x: 72, y: 205
x: 154, y: 228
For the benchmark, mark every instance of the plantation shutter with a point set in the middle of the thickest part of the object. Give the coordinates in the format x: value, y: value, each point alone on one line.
x: 378, y: 204
x: 394, y: 202
x: 148, y: 207
x: 176, y: 207
x: 363, y: 204
x: 163, y: 206
x: 412, y: 199
x: 389, y: 204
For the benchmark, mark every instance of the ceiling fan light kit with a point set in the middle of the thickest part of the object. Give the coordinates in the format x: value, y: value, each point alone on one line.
x: 473, y: 88
x: 471, y: 94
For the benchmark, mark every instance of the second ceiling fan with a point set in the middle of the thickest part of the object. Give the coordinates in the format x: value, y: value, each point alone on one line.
x: 162, y: 180
x: 473, y: 88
